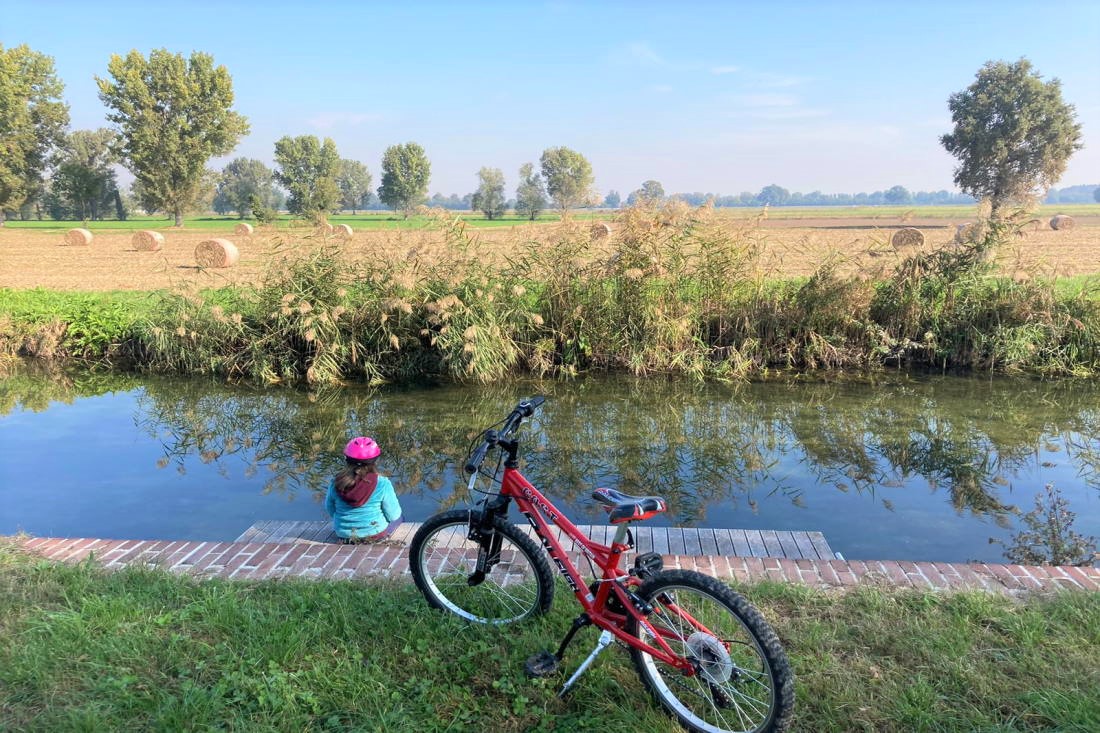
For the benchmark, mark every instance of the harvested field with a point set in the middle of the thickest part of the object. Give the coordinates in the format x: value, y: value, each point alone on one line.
x: 792, y: 247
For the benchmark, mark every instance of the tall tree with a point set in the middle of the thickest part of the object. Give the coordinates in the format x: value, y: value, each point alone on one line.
x: 568, y: 177
x: 354, y: 182
x: 174, y: 114
x: 612, y: 199
x: 489, y: 197
x: 651, y: 192
x: 83, y: 179
x: 898, y: 195
x: 32, y: 120
x: 242, y: 179
x: 405, y: 175
x: 530, y: 193
x: 773, y: 195
x: 308, y: 170
x: 1013, y: 134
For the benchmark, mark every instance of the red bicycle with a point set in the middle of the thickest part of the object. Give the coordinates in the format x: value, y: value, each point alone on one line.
x: 702, y: 650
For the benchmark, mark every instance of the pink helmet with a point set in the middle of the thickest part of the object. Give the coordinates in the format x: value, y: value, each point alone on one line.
x: 362, y: 449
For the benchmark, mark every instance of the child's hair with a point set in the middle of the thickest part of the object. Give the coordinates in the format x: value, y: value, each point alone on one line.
x: 355, y: 470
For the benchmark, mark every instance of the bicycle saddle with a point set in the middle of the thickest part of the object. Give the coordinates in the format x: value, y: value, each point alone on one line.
x: 626, y: 508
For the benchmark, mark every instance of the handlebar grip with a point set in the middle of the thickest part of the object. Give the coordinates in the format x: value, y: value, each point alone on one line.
x: 474, y: 462
x: 528, y: 406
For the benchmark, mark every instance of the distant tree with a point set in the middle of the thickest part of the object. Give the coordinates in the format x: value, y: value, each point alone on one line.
x: 530, y: 193
x: 1013, y: 134
x: 898, y: 195
x: 240, y: 181
x: 83, y: 179
x: 1096, y: 195
x: 773, y: 195
x: 32, y: 120
x: 568, y: 177
x: 354, y: 181
x: 612, y: 200
x: 651, y: 192
x: 173, y: 114
x: 308, y: 170
x: 405, y: 175
x: 489, y: 197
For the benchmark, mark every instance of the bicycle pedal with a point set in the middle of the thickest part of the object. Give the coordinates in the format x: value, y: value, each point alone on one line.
x: 648, y: 563
x: 542, y: 664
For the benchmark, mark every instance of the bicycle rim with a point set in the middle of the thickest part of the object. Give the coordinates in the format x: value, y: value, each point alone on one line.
x: 742, y: 681
x: 510, y: 592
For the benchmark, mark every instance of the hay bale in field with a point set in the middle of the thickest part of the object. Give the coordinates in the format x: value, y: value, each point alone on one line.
x: 969, y: 232
x: 1062, y: 223
x: 217, y: 253
x: 243, y: 229
x: 147, y: 240
x: 600, y: 230
x: 343, y: 231
x: 907, y: 237
x: 78, y: 237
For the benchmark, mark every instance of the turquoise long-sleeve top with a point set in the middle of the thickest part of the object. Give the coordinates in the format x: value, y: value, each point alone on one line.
x: 363, y: 521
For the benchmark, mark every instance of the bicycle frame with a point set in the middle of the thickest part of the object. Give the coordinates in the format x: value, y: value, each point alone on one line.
x: 540, y: 512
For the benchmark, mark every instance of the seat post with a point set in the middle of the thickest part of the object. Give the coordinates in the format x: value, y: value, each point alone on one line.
x: 621, y: 532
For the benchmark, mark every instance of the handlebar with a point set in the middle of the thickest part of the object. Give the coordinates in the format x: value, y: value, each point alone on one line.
x: 525, y: 408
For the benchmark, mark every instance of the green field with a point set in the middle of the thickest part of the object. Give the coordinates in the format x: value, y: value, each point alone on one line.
x: 388, y: 220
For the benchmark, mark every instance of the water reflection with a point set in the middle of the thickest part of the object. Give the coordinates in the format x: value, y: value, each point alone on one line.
x: 722, y: 455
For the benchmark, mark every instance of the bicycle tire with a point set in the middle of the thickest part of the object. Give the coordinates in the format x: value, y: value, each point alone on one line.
x: 441, y: 559
x: 721, y: 696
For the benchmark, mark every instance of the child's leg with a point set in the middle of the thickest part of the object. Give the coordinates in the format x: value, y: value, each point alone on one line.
x: 390, y: 528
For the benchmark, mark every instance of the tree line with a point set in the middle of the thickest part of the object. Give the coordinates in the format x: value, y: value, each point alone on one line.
x: 1013, y: 135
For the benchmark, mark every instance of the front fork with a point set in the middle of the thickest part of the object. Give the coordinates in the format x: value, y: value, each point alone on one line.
x: 483, y: 532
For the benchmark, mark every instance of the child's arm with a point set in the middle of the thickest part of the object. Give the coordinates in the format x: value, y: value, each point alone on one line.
x: 330, y: 501
x: 391, y: 507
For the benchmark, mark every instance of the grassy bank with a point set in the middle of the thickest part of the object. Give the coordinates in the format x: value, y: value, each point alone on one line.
x: 143, y: 650
x: 676, y: 291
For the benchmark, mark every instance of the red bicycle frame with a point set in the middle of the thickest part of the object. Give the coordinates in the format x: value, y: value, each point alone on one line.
x: 540, y: 513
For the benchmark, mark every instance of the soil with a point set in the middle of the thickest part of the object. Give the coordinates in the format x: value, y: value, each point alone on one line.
x: 30, y: 259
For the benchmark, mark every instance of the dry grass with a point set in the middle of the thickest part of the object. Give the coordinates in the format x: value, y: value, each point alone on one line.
x: 789, y: 248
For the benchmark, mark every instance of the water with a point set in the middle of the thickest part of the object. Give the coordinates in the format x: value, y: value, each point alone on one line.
x: 926, y: 468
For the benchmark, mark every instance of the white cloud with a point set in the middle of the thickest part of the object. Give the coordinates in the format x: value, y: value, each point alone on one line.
x: 661, y: 88
x: 637, y: 53
x: 725, y: 69
x: 766, y: 100
x: 330, y: 120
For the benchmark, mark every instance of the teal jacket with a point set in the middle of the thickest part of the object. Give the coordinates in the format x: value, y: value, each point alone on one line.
x: 362, y: 521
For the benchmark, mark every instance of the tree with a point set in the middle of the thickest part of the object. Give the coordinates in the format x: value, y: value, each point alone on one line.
x: 489, y: 197
x: 1096, y: 195
x: 651, y: 192
x: 405, y: 175
x: 241, y: 180
x: 773, y: 195
x: 898, y: 195
x: 353, y: 179
x: 568, y: 177
x: 530, y: 193
x: 308, y: 169
x: 83, y: 180
x: 1013, y: 134
x: 612, y: 200
x: 32, y: 120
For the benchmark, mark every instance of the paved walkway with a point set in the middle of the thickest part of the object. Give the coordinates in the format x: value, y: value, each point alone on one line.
x: 260, y: 560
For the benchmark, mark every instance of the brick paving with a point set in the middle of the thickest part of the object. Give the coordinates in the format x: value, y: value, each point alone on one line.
x: 257, y: 560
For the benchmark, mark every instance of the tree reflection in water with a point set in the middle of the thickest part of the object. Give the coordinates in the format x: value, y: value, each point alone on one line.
x: 702, y: 446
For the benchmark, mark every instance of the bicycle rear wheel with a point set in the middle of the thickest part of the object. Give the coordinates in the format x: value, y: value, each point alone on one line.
x: 442, y: 560
x: 742, y: 682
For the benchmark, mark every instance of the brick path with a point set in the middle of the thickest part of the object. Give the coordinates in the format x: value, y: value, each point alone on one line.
x: 256, y: 561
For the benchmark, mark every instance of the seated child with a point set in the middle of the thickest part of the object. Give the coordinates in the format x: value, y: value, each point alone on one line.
x: 363, y: 504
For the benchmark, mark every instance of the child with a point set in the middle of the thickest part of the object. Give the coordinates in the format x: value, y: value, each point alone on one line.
x: 363, y: 505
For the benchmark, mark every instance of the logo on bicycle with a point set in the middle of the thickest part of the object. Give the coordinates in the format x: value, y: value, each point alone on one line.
x: 531, y: 497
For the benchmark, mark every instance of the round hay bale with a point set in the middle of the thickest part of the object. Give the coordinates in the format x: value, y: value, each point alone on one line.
x: 343, y: 231
x: 600, y: 230
x: 907, y: 237
x: 78, y: 237
x: 217, y: 253
x: 1062, y: 223
x: 147, y: 240
x: 243, y: 229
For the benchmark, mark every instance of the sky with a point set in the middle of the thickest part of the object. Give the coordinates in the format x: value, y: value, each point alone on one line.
x: 717, y: 97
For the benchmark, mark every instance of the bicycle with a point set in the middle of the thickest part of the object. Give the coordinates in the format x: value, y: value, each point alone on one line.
x: 702, y: 650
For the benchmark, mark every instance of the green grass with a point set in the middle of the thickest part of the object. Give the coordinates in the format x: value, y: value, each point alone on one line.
x: 144, y: 650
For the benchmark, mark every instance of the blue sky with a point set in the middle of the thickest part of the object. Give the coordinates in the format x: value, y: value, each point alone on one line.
x: 702, y: 96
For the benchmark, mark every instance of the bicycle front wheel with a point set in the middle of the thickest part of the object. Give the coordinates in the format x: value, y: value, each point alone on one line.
x: 742, y: 679
x: 519, y: 584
